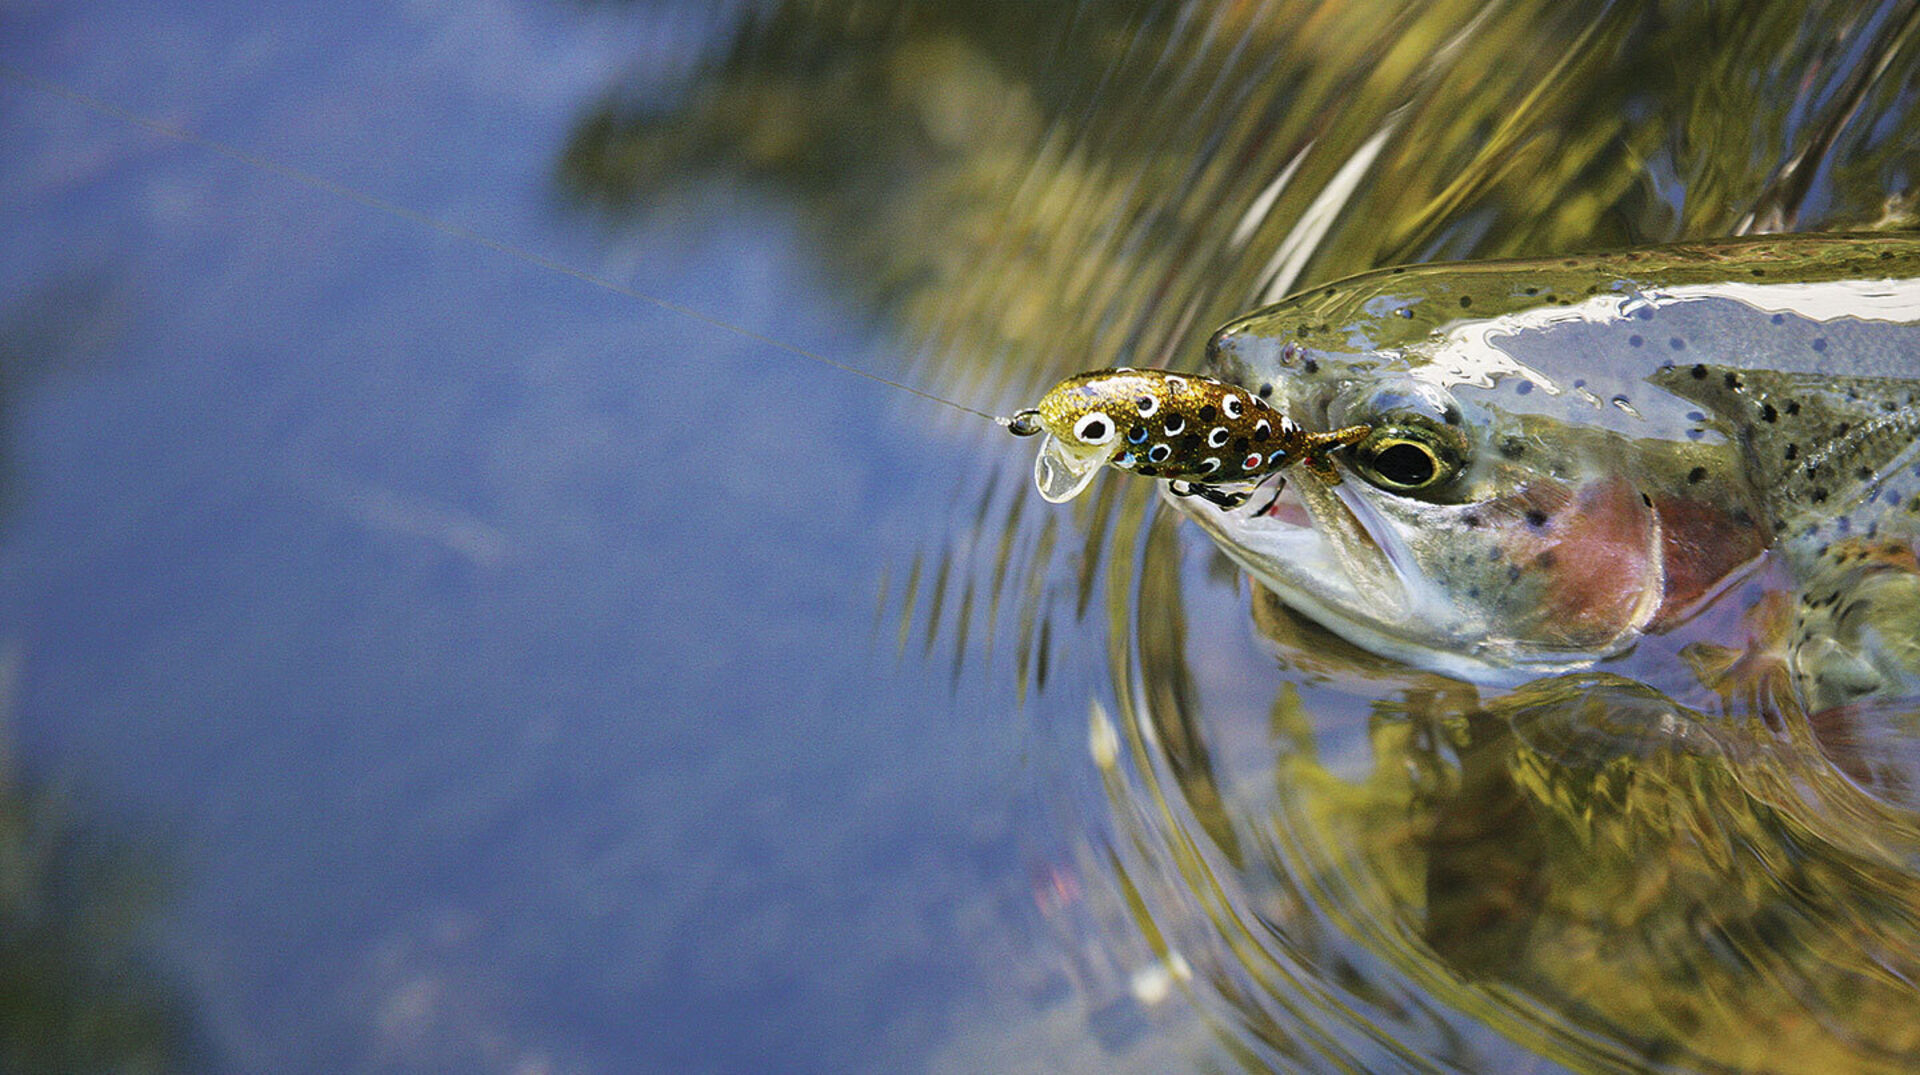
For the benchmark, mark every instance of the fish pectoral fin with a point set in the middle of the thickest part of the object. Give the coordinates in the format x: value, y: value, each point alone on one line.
x: 1061, y: 474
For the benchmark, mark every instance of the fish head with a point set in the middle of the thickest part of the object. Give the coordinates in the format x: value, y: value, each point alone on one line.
x: 1514, y: 509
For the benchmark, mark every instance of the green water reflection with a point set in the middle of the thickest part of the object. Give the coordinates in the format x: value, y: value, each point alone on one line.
x: 1666, y: 866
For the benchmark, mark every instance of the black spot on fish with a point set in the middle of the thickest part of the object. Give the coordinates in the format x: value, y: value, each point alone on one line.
x: 1451, y: 415
x: 1793, y: 406
x: 1533, y: 291
x: 1818, y: 496
x: 1512, y: 448
x: 1768, y: 414
x: 1523, y: 388
x: 1646, y: 500
x: 1266, y: 390
x: 1696, y: 416
x: 1536, y: 518
x: 1731, y: 380
x: 1863, y: 473
x: 1310, y: 366
x: 1699, y: 372
x: 1466, y: 301
x: 1820, y: 344
x: 1678, y: 344
x: 1779, y: 319
x: 1148, y: 471
x: 1695, y: 475
x: 1843, y: 429
x: 1636, y: 340
x: 1793, y: 452
x: 1471, y: 522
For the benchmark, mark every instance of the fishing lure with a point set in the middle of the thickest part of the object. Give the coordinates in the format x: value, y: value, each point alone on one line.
x: 1195, y: 431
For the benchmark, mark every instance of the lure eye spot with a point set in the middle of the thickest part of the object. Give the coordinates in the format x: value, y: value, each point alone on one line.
x: 1176, y: 426
x: 1230, y: 405
x: 1138, y: 436
x: 1148, y: 406
x: 1217, y: 436
x: 1095, y: 428
x: 1159, y: 453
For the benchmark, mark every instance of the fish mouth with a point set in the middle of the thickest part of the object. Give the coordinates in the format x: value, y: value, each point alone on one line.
x: 1319, y: 546
x: 1330, y: 554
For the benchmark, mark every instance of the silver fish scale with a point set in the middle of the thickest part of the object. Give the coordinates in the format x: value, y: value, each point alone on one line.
x: 1833, y: 456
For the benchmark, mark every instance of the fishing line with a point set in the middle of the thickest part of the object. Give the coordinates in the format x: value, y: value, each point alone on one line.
x: 1018, y: 424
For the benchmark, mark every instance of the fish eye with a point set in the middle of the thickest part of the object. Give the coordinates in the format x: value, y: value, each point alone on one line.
x: 1095, y: 428
x: 1403, y: 460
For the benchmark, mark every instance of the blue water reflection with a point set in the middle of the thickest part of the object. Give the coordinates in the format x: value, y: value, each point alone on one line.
x: 494, y: 658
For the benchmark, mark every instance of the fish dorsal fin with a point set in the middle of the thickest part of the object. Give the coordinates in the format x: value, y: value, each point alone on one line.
x: 1061, y: 473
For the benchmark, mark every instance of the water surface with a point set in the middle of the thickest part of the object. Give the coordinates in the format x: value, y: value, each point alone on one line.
x: 432, y: 662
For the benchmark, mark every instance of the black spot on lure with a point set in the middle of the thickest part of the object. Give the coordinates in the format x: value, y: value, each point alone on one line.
x: 1195, y: 431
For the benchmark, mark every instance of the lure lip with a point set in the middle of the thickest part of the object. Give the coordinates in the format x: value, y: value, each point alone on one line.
x: 1060, y: 473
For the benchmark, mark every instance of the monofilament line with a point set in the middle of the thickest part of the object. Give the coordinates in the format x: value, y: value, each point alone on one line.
x: 445, y: 227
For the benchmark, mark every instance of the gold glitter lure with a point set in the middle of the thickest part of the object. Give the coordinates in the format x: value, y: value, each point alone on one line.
x: 1194, y: 431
